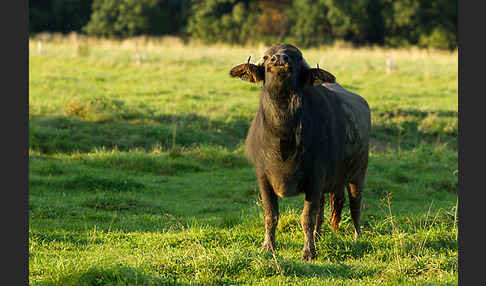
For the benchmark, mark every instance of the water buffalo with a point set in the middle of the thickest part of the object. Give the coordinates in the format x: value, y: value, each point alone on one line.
x: 309, y: 136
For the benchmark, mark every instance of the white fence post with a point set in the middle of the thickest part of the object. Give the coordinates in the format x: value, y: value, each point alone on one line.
x: 39, y: 47
x: 389, y: 64
x: 138, y: 58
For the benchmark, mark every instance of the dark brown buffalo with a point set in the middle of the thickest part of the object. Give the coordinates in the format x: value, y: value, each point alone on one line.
x: 309, y: 136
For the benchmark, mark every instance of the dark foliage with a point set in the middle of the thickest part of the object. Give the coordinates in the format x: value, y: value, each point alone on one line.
x: 126, y: 18
x: 394, y: 23
x: 58, y: 15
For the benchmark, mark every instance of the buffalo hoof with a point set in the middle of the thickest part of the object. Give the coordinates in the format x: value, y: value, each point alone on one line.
x: 268, y: 247
x: 308, y: 254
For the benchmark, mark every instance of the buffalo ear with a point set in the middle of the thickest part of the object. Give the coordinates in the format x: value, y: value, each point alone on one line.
x: 319, y: 76
x: 248, y: 72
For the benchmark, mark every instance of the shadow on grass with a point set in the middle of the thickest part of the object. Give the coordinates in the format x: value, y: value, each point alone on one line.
x: 334, y: 248
x: 112, y: 275
x: 406, y: 128
x: 66, y: 237
x: 335, y: 270
x: 62, y: 134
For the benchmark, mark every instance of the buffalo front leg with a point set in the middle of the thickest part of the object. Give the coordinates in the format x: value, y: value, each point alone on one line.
x: 308, y: 221
x: 270, y: 205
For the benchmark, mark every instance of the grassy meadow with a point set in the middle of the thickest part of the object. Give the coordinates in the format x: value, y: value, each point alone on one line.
x: 137, y: 171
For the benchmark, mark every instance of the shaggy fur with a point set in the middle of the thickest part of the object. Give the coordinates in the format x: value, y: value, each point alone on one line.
x: 306, y: 138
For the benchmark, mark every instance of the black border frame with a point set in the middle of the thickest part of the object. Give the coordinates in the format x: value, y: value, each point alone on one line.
x: 471, y: 250
x: 15, y: 50
x: 14, y: 22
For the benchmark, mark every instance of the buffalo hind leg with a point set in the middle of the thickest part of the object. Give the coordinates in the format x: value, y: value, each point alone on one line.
x: 270, y: 206
x: 336, y: 203
x: 319, y: 219
x: 354, y: 191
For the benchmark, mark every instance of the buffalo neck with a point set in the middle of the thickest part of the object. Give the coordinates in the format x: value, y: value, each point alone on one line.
x: 281, y: 109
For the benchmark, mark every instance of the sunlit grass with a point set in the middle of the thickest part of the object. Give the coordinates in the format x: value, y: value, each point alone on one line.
x: 138, y: 176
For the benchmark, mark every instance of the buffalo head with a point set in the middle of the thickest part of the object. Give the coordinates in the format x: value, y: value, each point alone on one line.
x: 282, y: 64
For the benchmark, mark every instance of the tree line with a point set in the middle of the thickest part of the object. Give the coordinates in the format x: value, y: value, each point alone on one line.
x: 391, y: 23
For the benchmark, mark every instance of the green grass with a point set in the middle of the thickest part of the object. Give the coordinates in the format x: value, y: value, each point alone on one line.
x: 138, y: 176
